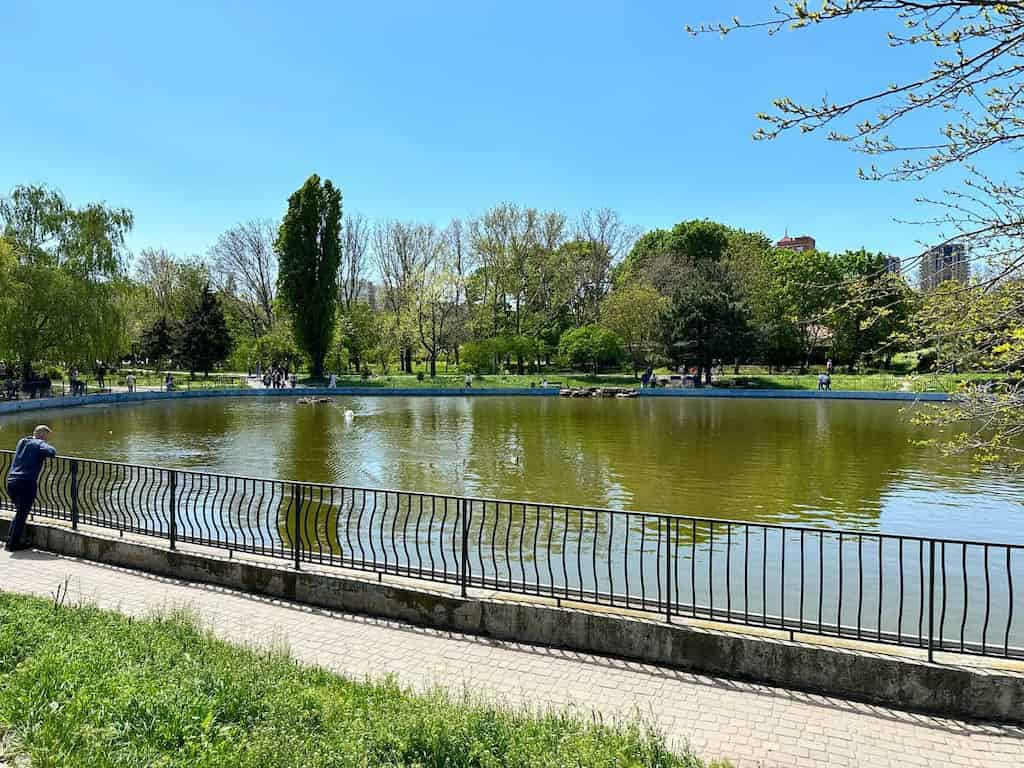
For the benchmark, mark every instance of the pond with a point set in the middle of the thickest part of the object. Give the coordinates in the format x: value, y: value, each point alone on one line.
x: 852, y: 464
x: 849, y: 471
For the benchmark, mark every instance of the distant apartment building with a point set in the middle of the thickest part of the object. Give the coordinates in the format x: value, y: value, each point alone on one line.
x: 942, y: 263
x: 366, y: 292
x: 892, y: 265
x: 370, y: 293
x: 801, y: 243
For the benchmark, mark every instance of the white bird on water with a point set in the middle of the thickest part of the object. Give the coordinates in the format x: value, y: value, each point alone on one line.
x: 349, y: 414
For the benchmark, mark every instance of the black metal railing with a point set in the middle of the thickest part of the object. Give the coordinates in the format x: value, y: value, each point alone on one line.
x: 935, y: 594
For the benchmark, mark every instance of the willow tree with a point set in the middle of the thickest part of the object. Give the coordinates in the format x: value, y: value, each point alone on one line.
x: 309, y: 251
x: 62, y: 278
x: 962, y: 114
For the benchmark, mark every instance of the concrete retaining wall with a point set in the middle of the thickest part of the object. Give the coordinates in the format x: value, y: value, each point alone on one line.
x: 118, y: 398
x: 886, y: 680
x: 797, y: 394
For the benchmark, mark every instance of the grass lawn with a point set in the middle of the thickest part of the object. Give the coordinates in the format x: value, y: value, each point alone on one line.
x: 80, y: 687
x: 866, y: 382
x: 750, y: 379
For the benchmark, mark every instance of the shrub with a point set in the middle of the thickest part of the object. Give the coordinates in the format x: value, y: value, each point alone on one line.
x: 591, y: 346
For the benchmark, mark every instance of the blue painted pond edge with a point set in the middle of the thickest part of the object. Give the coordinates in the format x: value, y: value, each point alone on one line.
x: 118, y: 398
x: 799, y: 394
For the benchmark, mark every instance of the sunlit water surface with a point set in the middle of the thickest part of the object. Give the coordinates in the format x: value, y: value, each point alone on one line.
x: 851, y: 464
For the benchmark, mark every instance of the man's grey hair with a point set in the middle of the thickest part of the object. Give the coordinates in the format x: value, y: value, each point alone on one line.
x: 41, y: 431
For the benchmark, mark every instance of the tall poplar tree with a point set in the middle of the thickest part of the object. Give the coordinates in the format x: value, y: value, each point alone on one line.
x: 309, y: 252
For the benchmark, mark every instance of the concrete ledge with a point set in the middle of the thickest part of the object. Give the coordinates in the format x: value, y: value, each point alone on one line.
x: 905, y: 683
x: 798, y: 394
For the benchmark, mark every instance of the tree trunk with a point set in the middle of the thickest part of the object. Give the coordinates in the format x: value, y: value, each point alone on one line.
x: 433, y: 365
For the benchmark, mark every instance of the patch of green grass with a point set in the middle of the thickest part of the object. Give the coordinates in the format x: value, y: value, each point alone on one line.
x: 80, y: 687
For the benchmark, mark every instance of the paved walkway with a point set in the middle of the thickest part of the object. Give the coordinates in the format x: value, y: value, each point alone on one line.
x: 751, y: 725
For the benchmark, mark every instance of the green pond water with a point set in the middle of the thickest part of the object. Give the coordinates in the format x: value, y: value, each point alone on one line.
x: 849, y: 464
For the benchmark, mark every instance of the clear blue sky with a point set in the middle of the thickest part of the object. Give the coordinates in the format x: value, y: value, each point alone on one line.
x: 198, y: 115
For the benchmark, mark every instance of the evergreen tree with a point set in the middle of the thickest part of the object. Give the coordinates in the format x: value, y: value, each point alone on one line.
x: 158, y: 340
x: 309, y: 252
x: 204, y: 340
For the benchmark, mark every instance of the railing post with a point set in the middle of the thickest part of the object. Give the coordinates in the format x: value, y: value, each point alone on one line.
x: 464, y: 577
x: 931, y: 599
x: 74, y: 494
x: 668, y: 569
x: 296, y: 536
x: 172, y: 533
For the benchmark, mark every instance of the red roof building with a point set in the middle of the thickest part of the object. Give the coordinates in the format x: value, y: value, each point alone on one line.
x: 802, y: 243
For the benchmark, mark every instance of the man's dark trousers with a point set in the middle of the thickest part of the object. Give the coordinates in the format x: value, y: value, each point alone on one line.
x: 23, y: 494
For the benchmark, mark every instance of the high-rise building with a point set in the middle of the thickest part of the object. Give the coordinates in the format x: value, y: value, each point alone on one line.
x: 802, y: 243
x: 892, y: 264
x: 942, y: 263
x: 368, y: 291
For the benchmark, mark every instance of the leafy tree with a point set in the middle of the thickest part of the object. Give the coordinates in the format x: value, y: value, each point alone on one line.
x: 874, y: 308
x: 358, y: 332
x: 403, y: 252
x: 309, y: 253
x: 63, y: 278
x: 203, y: 338
x: 590, y: 346
x: 633, y: 312
x: 278, y: 347
x: 793, y: 302
x: 477, y: 357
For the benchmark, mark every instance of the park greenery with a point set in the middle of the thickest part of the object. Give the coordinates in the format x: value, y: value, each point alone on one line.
x: 515, y: 291
x: 88, y: 688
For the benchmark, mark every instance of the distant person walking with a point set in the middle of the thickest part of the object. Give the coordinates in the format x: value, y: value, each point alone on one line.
x: 333, y: 381
x: 130, y: 381
x: 23, y: 477
x: 828, y: 366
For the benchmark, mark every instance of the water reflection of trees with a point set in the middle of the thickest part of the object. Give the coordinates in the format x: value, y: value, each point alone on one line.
x: 739, y: 459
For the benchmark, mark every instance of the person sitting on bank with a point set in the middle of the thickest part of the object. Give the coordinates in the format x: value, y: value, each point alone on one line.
x: 22, y: 480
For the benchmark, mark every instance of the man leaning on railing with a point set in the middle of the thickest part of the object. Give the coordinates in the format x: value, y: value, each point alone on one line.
x: 29, y: 457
